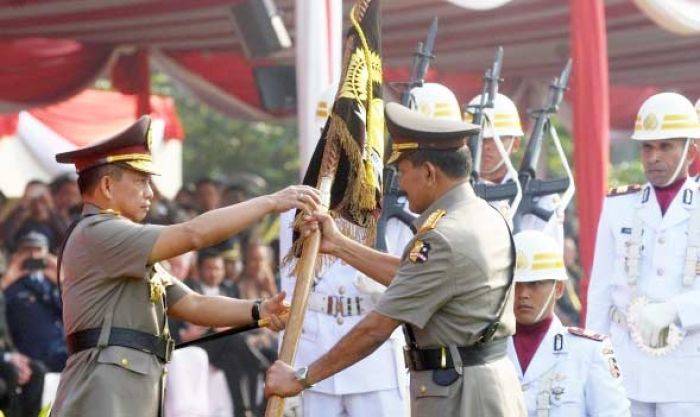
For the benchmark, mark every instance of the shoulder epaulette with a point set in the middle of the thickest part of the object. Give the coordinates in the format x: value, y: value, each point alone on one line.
x: 623, y: 190
x: 432, y: 220
x: 577, y: 331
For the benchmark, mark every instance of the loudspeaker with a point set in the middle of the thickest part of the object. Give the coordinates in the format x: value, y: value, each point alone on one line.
x: 260, y: 28
x: 278, y: 88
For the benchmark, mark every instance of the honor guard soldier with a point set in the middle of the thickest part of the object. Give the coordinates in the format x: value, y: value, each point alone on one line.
x: 338, y: 300
x: 564, y: 372
x: 503, y: 121
x: 116, y: 294
x: 451, y: 287
x: 644, y: 290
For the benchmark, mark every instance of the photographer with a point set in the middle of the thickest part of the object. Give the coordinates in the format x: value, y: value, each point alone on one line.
x: 34, y: 212
x: 33, y: 302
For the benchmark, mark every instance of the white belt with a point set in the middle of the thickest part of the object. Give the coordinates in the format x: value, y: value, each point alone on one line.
x: 337, y: 305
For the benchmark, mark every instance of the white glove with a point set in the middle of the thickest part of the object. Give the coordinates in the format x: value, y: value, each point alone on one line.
x: 654, y: 322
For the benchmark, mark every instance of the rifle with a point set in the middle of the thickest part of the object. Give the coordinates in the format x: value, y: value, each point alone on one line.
x: 490, y: 192
x: 391, y: 207
x: 488, y: 94
x: 532, y: 187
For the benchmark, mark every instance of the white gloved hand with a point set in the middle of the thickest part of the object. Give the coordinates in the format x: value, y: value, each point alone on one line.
x: 654, y: 322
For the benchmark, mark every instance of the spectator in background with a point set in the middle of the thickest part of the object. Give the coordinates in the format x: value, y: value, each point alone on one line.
x: 66, y: 198
x: 258, y: 279
x: 21, y: 379
x: 233, y: 264
x: 232, y: 355
x: 34, y: 212
x: 210, y: 265
x: 185, y: 201
x: 182, y: 267
x: 211, y: 272
x: 21, y: 385
x: 164, y: 211
x: 208, y: 194
x: 33, y: 303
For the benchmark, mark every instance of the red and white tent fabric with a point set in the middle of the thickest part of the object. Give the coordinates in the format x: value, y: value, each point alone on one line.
x: 30, y: 139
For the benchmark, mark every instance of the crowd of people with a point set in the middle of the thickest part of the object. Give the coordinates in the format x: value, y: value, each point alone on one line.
x: 32, y: 338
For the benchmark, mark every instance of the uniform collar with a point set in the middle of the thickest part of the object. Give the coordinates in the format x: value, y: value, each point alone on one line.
x: 679, y: 209
x: 90, y: 209
x: 459, y: 192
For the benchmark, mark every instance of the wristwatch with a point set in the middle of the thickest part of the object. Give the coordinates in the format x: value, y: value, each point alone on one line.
x: 255, y: 311
x: 301, y: 375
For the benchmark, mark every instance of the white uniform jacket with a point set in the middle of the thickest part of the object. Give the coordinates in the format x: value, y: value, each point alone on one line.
x: 632, y: 224
x: 383, y: 369
x: 571, y: 376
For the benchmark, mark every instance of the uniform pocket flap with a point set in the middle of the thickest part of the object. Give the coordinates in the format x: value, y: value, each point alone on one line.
x: 422, y: 386
x: 127, y: 358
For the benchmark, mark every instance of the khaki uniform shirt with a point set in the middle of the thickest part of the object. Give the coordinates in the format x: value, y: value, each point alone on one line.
x: 107, y: 282
x: 449, y: 287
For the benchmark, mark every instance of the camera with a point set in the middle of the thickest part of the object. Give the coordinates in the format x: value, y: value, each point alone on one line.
x: 34, y: 264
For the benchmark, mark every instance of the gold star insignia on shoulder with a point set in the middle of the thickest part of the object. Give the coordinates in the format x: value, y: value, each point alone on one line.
x: 419, y: 252
x: 623, y: 190
x: 432, y: 220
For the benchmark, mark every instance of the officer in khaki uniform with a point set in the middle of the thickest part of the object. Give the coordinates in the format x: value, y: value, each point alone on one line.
x: 116, y: 295
x: 451, y: 288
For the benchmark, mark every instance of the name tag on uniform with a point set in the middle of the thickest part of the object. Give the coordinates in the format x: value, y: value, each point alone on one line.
x: 626, y: 230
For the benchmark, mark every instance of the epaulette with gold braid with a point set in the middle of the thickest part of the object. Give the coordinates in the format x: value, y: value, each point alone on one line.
x: 432, y: 220
x: 623, y: 190
x: 577, y: 331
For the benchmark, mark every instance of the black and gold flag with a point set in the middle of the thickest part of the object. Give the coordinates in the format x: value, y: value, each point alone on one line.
x: 356, y: 123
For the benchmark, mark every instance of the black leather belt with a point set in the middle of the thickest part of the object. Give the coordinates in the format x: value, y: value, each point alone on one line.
x: 129, y: 338
x: 440, y: 358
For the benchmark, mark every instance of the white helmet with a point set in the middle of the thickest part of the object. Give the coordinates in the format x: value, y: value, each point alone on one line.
x: 697, y: 108
x: 538, y: 257
x: 324, y: 106
x: 666, y: 116
x: 504, y: 117
x: 437, y: 101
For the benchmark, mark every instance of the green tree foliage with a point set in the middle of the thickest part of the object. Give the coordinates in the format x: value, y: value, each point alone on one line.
x: 220, y: 147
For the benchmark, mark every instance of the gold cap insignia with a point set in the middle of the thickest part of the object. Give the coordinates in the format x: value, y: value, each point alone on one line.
x: 651, y: 122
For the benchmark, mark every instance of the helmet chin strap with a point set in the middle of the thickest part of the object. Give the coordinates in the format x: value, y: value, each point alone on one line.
x: 503, y: 160
x: 680, y: 164
x: 545, y: 306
